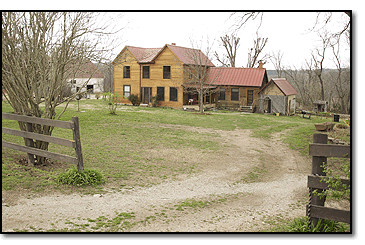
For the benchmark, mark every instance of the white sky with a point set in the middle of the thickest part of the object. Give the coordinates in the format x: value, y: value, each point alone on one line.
x: 286, y: 31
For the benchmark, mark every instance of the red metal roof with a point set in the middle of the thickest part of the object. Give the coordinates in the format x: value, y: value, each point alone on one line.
x: 283, y: 85
x: 232, y: 76
x: 190, y: 56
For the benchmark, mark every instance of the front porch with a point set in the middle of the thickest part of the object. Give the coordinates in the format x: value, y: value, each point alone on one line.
x: 191, y: 97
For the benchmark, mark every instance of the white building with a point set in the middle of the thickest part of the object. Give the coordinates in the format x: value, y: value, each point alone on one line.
x: 90, y: 74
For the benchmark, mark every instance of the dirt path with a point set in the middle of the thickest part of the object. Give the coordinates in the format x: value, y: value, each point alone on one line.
x: 252, y: 185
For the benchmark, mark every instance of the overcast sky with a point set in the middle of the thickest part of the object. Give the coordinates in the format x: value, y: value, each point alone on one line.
x: 286, y: 31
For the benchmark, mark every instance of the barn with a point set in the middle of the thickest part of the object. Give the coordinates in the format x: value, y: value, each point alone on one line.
x: 277, y: 96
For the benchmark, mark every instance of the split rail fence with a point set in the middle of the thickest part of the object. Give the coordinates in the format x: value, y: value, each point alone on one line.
x: 29, y: 136
x: 319, y: 151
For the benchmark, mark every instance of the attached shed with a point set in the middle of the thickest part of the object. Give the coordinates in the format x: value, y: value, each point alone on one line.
x: 277, y: 96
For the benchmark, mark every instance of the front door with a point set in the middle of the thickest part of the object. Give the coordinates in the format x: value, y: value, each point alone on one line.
x: 146, y: 95
x: 249, y: 97
x: 267, y: 105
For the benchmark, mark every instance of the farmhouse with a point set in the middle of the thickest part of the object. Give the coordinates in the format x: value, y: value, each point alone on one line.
x: 155, y: 72
x: 277, y: 96
x: 164, y: 73
x: 89, y: 73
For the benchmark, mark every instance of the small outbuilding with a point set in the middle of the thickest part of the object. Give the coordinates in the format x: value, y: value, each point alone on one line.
x: 277, y: 96
x: 90, y: 74
x: 320, y: 106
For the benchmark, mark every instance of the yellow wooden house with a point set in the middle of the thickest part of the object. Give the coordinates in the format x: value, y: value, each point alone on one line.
x: 154, y: 72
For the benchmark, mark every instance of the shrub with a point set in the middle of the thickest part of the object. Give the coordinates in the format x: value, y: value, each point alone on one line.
x: 338, y: 191
x: 301, y: 225
x: 111, y: 100
x: 133, y: 98
x: 76, y: 178
x: 156, y: 101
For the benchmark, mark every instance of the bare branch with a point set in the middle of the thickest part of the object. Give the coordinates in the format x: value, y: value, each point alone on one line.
x: 231, y: 44
x: 254, y: 53
x: 243, y: 18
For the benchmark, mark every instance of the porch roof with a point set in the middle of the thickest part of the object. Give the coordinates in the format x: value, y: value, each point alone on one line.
x: 197, y: 86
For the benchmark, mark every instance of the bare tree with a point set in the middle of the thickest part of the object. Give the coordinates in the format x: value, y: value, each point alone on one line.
x: 302, y: 80
x: 342, y: 80
x: 231, y: 44
x: 255, y: 52
x: 321, y: 23
x: 41, y: 53
x: 197, y: 76
x: 276, y: 59
x: 318, y: 56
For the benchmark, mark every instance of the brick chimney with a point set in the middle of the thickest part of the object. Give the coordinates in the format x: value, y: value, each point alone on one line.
x: 261, y: 65
x: 173, y: 44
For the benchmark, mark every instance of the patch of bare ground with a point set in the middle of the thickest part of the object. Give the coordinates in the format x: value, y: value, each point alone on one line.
x: 246, y: 186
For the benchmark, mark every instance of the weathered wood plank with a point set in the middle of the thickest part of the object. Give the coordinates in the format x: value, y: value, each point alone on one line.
x: 42, y: 137
x: 331, y: 214
x: 78, y: 151
x: 30, y: 143
x: 329, y: 150
x: 315, y: 182
x: 37, y: 120
x: 42, y: 153
x: 318, y: 163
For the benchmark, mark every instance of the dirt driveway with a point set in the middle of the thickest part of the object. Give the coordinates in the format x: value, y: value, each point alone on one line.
x: 253, y: 185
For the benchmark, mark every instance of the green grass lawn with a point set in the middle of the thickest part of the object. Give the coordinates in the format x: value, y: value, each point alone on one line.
x: 125, y: 147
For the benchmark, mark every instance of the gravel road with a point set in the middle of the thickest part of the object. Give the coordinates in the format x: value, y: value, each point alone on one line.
x: 228, y: 203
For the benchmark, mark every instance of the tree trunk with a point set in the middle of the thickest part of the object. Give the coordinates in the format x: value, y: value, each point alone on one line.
x: 201, y: 109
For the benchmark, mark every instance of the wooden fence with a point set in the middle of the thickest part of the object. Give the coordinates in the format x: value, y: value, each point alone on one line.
x: 319, y: 151
x: 29, y: 136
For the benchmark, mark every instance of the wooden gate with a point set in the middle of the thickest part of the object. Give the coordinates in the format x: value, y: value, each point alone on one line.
x: 29, y: 136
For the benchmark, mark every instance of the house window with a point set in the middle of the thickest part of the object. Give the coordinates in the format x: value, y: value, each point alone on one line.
x: 146, y: 72
x: 222, y: 94
x: 173, y: 94
x: 249, y: 97
x: 166, y: 72
x: 126, y: 72
x: 73, y: 81
x: 234, y: 94
x: 126, y: 91
x: 161, y: 93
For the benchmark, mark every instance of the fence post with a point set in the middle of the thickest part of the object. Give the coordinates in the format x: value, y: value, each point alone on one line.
x: 30, y: 143
x: 317, y: 169
x: 76, y: 135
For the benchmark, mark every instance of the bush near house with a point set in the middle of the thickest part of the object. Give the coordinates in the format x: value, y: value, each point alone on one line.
x: 133, y: 98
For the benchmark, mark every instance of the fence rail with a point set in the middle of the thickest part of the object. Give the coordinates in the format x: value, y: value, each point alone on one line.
x: 29, y: 136
x: 319, y: 151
